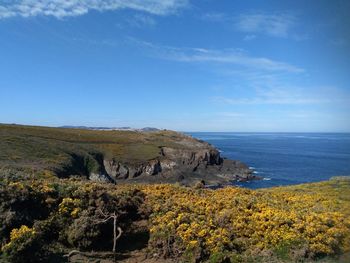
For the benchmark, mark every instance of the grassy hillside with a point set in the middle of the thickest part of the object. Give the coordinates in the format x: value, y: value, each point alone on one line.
x: 45, y: 219
x: 32, y: 149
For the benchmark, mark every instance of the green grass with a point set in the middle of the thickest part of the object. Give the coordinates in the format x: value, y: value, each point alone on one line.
x: 44, y: 148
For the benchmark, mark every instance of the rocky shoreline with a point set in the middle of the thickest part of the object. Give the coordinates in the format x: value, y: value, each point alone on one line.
x: 114, y: 156
x: 197, y: 161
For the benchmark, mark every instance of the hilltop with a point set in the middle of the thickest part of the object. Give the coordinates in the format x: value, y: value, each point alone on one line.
x: 117, y: 156
x: 103, y: 128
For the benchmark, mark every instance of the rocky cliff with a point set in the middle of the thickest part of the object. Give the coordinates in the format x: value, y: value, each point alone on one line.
x: 195, y: 161
x: 115, y: 156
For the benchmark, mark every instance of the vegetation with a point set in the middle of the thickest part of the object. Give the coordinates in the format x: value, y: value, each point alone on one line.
x: 288, y: 223
x: 28, y: 150
x: 45, y: 219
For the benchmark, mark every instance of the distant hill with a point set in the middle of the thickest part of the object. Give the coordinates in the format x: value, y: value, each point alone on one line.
x: 149, y: 129
x: 146, y: 129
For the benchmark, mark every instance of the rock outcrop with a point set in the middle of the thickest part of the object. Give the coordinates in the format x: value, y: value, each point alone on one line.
x: 116, y: 156
x: 187, y: 162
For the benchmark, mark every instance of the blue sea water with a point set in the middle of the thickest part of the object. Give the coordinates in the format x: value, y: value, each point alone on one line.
x: 285, y: 158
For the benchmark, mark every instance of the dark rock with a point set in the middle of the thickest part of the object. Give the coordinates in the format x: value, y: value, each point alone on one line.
x: 196, y: 161
x: 190, y: 161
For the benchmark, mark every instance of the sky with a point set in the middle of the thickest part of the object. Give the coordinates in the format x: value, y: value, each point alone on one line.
x: 187, y: 65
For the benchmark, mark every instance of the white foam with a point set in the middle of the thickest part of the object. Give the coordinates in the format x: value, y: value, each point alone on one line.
x: 266, y: 179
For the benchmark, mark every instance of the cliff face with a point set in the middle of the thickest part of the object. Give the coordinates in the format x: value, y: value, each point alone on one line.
x: 196, y: 161
x: 115, y: 156
x: 169, y: 162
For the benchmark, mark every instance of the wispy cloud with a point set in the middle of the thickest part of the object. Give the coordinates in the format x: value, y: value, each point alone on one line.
x: 67, y: 8
x: 276, y: 24
x: 215, y: 17
x: 249, y: 37
x: 137, y: 21
x: 283, y: 96
x: 262, y: 100
x: 225, y: 56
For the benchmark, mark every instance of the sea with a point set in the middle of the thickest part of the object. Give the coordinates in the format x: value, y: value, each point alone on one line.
x: 285, y: 158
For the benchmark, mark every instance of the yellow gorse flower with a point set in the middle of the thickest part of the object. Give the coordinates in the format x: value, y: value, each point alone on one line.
x: 69, y: 206
x: 18, y: 233
x: 265, y: 219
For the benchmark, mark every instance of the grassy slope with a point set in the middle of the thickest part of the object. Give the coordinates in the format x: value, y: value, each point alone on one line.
x: 49, y: 148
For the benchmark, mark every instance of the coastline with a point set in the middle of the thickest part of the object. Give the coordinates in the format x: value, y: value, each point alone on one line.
x: 285, y: 158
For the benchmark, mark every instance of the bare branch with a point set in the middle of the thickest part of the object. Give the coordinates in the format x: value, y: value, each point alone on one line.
x: 103, y: 220
x: 101, y: 212
x: 113, y: 216
x: 120, y: 232
x: 72, y: 253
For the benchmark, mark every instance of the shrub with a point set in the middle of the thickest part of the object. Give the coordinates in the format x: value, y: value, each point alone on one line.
x: 24, y: 246
x: 288, y: 224
x: 84, y: 233
x: 191, y: 225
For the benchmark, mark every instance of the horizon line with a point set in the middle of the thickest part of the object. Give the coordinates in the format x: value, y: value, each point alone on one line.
x: 182, y: 131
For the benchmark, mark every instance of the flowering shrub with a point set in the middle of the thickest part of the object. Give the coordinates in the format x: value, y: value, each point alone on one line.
x: 22, y: 245
x: 234, y: 221
x: 69, y: 207
x: 294, y: 223
x: 23, y: 232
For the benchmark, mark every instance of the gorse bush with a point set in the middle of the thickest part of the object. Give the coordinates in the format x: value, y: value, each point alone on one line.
x: 24, y: 245
x: 37, y: 214
x: 246, y: 224
x: 293, y: 224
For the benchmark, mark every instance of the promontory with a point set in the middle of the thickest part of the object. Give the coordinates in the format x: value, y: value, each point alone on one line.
x: 116, y: 156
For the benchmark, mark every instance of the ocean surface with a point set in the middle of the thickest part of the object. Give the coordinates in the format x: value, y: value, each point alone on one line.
x: 285, y: 158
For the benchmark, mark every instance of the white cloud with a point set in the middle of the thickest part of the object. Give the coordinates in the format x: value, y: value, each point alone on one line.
x: 66, y: 8
x: 215, y: 17
x: 227, y: 56
x: 262, y: 100
x: 137, y: 20
x: 278, y: 25
x: 249, y: 37
x: 286, y: 96
x: 140, y: 20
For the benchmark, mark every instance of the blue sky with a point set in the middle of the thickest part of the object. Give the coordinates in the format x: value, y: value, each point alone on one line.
x: 179, y: 64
